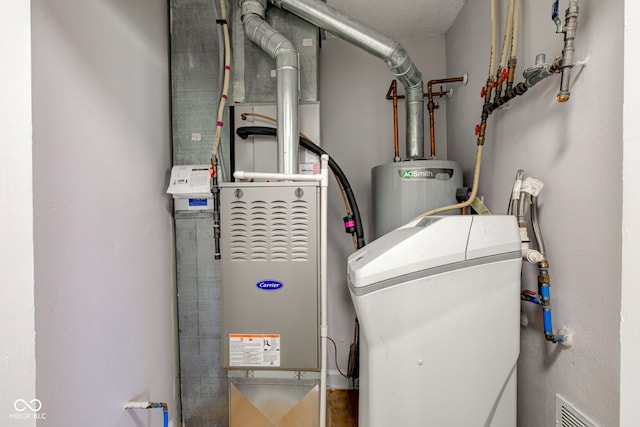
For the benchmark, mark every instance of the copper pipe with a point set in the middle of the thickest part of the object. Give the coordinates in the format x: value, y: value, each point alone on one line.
x: 393, y: 89
x: 439, y: 94
x: 432, y: 106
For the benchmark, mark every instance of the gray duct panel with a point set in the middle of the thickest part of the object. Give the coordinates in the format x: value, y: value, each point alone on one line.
x: 195, y: 81
x: 203, y: 384
x: 253, y: 78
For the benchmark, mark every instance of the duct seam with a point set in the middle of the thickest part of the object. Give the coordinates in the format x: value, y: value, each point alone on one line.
x: 390, y: 51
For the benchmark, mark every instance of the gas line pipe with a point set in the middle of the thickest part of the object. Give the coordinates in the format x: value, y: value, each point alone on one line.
x: 392, y: 95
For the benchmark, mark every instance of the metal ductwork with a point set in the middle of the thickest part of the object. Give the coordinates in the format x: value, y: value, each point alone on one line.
x: 282, y: 51
x: 383, y: 47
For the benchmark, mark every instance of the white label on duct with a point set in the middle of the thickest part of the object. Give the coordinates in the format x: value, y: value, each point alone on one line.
x: 307, y: 42
x: 273, y: 73
x: 196, y: 137
x: 532, y: 186
x: 254, y: 350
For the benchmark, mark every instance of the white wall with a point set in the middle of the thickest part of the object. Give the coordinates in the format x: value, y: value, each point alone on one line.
x: 576, y: 149
x: 630, y: 315
x: 104, y: 271
x: 357, y: 130
x: 17, y: 333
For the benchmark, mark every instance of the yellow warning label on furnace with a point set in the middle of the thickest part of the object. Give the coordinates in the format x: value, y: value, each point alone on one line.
x: 254, y: 350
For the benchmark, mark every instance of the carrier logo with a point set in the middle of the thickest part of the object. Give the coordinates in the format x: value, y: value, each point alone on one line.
x: 426, y: 173
x: 269, y: 285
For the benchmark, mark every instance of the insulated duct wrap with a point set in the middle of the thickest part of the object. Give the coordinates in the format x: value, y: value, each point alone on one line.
x: 383, y: 47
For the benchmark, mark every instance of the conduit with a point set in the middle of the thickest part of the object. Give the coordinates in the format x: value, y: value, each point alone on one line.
x: 383, y: 47
x: 282, y: 51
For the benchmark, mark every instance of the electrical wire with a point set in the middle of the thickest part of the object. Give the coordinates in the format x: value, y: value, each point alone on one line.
x: 335, y: 356
x: 354, y: 352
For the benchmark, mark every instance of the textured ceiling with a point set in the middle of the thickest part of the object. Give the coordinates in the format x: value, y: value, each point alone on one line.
x: 400, y: 19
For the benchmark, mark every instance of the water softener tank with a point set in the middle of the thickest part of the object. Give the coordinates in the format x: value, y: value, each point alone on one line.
x: 403, y: 190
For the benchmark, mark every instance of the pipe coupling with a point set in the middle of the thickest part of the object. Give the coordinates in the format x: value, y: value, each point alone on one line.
x: 403, y: 68
x: 256, y: 7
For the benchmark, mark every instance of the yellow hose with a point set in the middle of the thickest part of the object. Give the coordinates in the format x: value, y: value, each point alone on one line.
x: 474, y: 191
x: 492, y: 54
x: 516, y: 28
x: 508, y: 35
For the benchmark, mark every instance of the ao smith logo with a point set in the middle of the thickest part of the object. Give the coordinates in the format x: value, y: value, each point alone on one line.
x: 441, y: 174
x: 269, y: 285
x: 417, y: 173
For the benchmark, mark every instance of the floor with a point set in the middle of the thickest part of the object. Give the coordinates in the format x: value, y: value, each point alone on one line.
x: 342, y: 408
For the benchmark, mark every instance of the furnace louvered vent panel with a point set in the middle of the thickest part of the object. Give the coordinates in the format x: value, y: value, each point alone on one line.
x: 568, y: 416
x: 275, y: 230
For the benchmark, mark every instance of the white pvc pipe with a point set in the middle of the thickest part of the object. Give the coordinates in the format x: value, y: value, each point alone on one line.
x: 324, y: 183
x: 277, y: 176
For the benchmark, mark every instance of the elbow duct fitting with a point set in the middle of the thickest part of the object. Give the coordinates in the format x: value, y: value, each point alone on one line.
x: 283, y: 52
x: 385, y: 48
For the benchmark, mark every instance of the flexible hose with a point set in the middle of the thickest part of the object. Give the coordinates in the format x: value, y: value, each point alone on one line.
x: 515, y: 192
x: 516, y: 28
x: 271, y: 119
x: 342, y: 193
x: 508, y: 34
x: 521, y: 208
x: 225, y: 85
x: 492, y: 54
x: 244, y: 132
x: 474, y: 190
x: 536, y: 226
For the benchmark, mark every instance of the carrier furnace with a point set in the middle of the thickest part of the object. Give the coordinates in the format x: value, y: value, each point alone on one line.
x: 438, y: 302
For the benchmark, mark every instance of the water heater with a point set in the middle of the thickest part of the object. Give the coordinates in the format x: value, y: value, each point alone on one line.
x: 403, y: 190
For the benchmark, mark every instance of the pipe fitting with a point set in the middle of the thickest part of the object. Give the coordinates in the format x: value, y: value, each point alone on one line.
x: 536, y: 73
x: 385, y: 48
x: 282, y: 50
x: 570, y: 28
x: 256, y: 7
